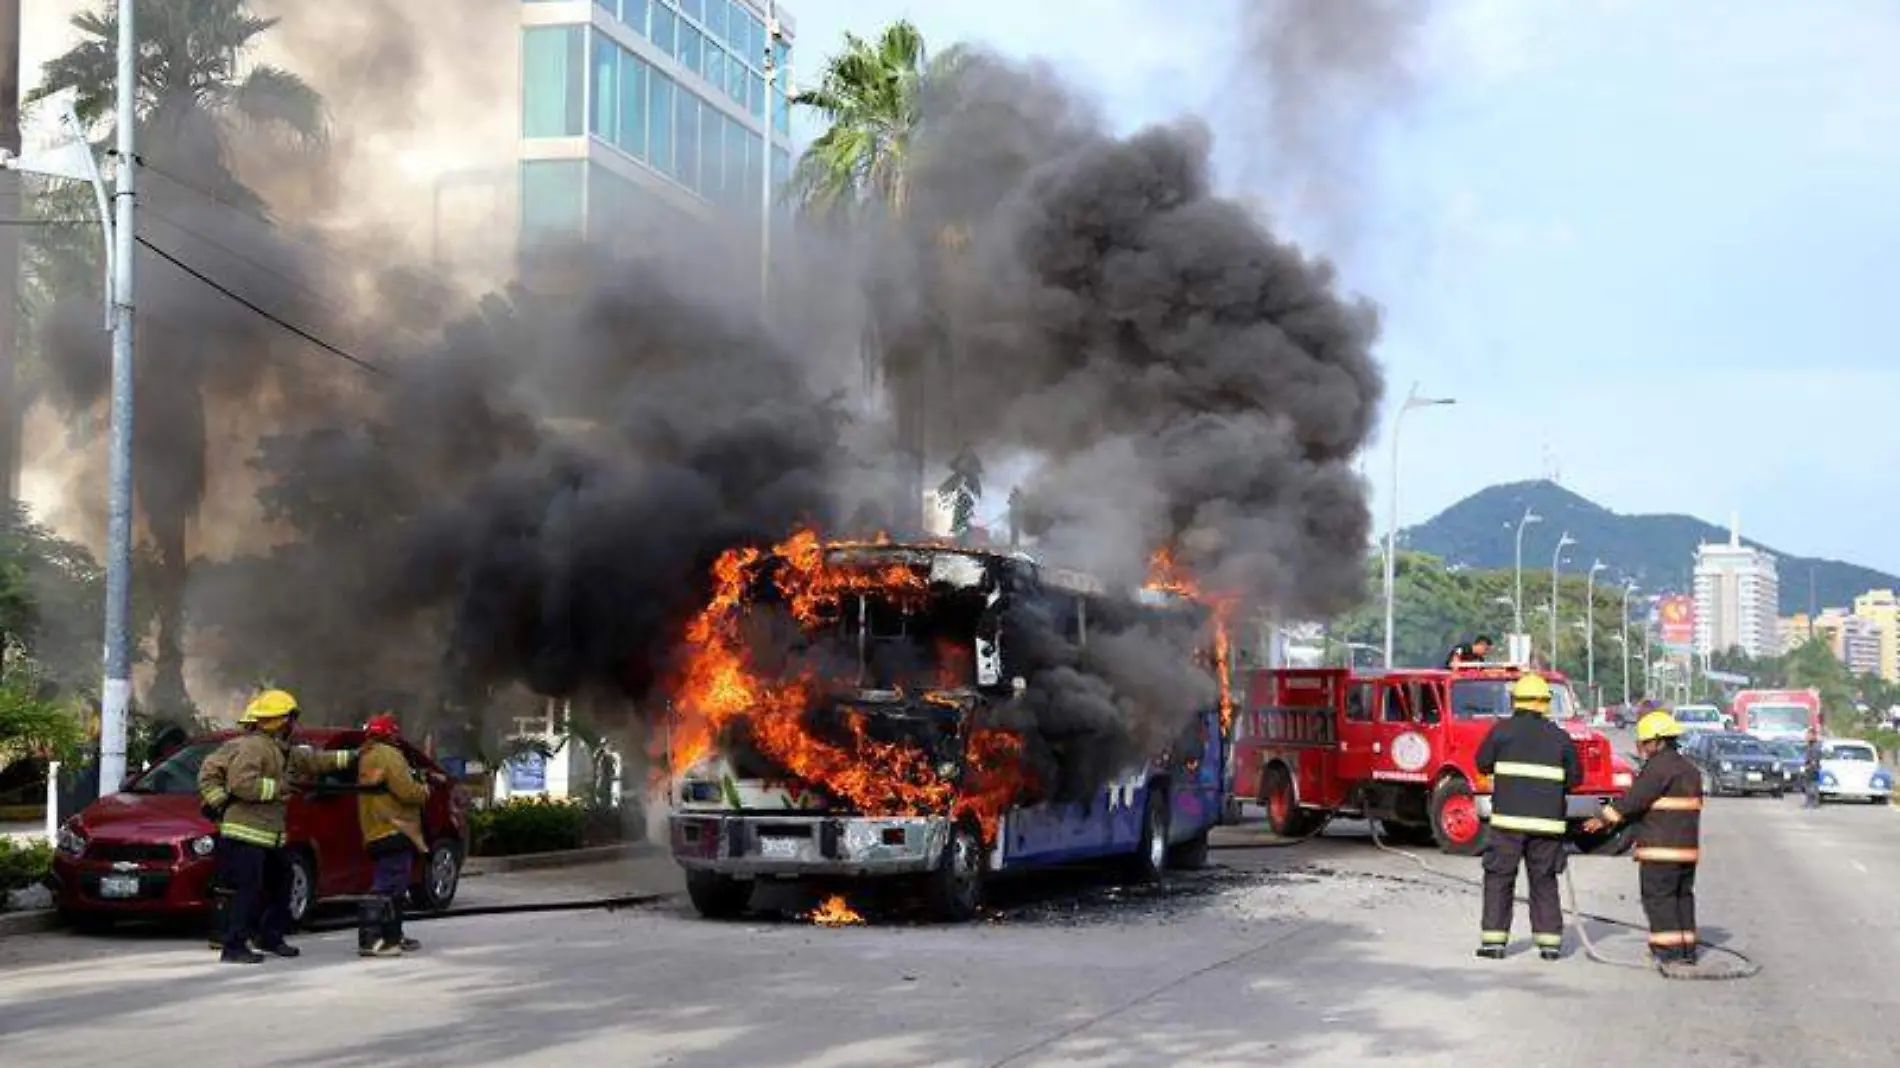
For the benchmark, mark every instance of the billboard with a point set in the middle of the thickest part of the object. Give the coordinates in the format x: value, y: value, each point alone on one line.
x: 1677, y: 614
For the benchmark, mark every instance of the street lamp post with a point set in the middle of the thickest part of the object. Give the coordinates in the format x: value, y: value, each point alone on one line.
x: 1628, y: 588
x: 1529, y: 517
x: 1412, y: 400
x: 1590, y: 632
x: 1556, y: 561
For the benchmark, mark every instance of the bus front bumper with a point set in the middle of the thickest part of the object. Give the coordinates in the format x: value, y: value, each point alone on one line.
x: 791, y: 845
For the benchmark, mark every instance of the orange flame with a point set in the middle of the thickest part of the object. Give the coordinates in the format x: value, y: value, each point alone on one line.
x: 1166, y: 575
x: 719, y: 690
x: 835, y: 912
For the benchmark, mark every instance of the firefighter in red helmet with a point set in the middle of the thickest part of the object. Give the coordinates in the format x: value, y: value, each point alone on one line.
x: 390, y: 810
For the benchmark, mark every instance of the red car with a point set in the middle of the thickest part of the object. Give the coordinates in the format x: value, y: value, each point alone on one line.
x: 148, y: 853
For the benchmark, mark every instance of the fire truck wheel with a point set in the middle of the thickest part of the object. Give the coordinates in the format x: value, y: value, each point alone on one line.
x: 1151, y: 854
x: 954, y: 892
x: 716, y: 896
x: 1456, y: 823
x: 1285, y: 817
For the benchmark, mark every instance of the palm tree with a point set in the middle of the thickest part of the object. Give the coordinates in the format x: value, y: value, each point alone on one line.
x: 196, y: 93
x: 871, y: 94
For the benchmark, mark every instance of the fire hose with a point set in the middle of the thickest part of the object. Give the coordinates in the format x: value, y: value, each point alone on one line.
x: 605, y: 904
x: 1747, y: 966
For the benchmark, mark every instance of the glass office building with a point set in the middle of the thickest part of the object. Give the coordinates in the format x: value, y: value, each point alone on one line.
x: 637, y: 109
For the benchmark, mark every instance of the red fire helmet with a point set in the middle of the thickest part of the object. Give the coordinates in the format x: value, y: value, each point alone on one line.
x: 382, y: 725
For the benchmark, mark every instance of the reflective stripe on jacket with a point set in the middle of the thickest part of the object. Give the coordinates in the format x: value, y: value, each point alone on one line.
x: 1665, y: 802
x: 1534, y: 765
x: 249, y: 778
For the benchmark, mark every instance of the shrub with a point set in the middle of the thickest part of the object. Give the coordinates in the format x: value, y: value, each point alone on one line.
x: 527, y: 825
x: 23, y: 865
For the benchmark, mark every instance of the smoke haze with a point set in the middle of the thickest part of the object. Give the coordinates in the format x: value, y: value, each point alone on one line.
x: 532, y: 499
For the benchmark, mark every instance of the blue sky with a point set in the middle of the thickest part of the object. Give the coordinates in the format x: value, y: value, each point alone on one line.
x: 1658, y: 239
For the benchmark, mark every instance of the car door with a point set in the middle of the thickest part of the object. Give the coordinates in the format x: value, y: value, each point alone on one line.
x: 335, y: 831
x: 1359, y: 733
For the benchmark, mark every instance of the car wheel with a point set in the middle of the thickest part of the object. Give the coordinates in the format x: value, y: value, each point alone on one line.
x: 716, y: 896
x: 441, y: 878
x: 1285, y: 817
x: 1456, y: 823
x: 302, y: 875
x: 954, y: 892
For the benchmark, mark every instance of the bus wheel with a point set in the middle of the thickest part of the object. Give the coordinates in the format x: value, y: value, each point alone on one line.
x: 1456, y: 823
x: 1190, y: 855
x: 1151, y: 853
x: 716, y: 896
x: 1285, y: 817
x: 954, y: 892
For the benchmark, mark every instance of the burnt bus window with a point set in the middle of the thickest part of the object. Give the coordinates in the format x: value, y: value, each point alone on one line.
x: 1359, y: 703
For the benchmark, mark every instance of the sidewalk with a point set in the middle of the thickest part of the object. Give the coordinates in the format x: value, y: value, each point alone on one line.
x: 649, y: 873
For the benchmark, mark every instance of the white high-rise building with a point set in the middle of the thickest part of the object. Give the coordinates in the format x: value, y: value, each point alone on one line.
x: 1736, y: 594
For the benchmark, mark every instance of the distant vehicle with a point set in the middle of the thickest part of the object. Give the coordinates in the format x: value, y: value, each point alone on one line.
x: 1701, y: 718
x: 1735, y: 764
x: 1851, y: 769
x: 1399, y: 747
x: 1793, y: 757
x: 1778, y: 715
x: 148, y: 853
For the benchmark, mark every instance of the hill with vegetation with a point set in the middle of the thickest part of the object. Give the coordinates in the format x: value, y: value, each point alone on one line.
x: 1657, y: 551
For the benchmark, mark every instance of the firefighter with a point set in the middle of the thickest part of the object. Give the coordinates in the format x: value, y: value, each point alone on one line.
x: 1471, y: 652
x: 245, y: 787
x: 391, y: 815
x: 1534, y: 765
x: 1665, y: 802
x: 1811, y: 770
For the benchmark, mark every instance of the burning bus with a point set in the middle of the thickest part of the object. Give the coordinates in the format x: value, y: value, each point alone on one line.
x: 936, y: 715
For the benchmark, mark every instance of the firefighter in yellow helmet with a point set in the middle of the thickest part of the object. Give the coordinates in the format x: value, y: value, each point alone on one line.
x: 244, y: 787
x: 1534, y: 765
x: 1665, y: 803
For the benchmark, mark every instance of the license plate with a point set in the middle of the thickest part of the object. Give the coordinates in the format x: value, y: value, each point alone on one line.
x: 1754, y: 776
x: 778, y: 848
x: 119, y: 886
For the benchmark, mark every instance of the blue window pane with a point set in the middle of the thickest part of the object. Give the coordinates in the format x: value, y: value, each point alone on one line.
x: 781, y: 167
x: 755, y: 95
x: 634, y: 14
x: 754, y: 174
x: 631, y: 135
x: 606, y: 98
x: 550, y: 197
x: 665, y: 27
x: 660, y: 89
x: 692, y: 45
x: 715, y: 18
x: 700, y: 173
x: 782, y: 53
x: 735, y: 82
x: 781, y: 111
x: 694, y: 8
x: 734, y: 185
x: 734, y: 33
x: 552, y: 61
x: 611, y: 7
x: 715, y: 69
x: 692, y: 169
x: 754, y: 40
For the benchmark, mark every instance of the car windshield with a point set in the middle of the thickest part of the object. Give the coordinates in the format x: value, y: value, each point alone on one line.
x: 1861, y: 753
x: 1698, y: 714
x: 1785, y: 750
x: 1745, y: 746
x: 1778, y: 718
x: 1491, y: 699
x: 176, y: 774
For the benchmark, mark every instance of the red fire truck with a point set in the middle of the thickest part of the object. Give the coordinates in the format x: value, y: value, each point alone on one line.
x: 1399, y: 747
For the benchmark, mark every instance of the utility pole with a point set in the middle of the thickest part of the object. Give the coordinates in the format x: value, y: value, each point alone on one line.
x: 1412, y: 400
x: 1556, y: 563
x: 766, y: 198
x: 1517, y: 601
x: 11, y: 414
x: 1590, y: 633
x: 1629, y: 588
x: 116, y: 694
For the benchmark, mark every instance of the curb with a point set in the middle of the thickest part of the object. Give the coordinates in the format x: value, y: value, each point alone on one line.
x: 566, y: 858
x: 32, y: 921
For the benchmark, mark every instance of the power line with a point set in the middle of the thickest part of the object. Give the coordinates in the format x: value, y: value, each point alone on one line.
x: 313, y: 339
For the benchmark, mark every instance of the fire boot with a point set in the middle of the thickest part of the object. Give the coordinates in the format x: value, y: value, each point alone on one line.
x: 1491, y: 952
x: 392, y: 926
x: 372, y: 921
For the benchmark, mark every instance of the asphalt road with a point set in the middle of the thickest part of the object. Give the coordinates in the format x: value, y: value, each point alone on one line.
x: 1330, y: 953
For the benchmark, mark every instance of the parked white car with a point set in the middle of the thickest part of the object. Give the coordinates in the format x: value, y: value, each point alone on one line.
x: 1701, y: 718
x: 1851, y: 769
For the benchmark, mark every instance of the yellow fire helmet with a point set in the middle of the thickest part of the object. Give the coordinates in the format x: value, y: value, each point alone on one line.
x: 269, y: 705
x: 1531, y: 692
x: 1657, y: 724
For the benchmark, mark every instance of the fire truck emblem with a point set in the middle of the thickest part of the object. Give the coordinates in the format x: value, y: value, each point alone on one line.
x: 1411, y: 752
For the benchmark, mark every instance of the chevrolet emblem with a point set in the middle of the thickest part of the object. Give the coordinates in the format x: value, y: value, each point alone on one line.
x: 124, y: 865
